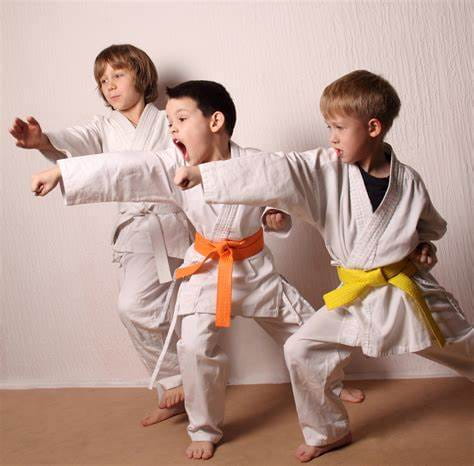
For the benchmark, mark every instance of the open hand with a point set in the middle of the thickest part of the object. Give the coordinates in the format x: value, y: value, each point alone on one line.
x: 28, y: 134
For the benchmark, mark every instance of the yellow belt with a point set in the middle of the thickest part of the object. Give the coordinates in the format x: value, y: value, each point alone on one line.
x: 355, y: 283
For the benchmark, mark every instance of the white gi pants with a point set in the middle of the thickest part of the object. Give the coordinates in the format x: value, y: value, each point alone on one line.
x: 204, y: 364
x: 141, y: 309
x: 317, y: 366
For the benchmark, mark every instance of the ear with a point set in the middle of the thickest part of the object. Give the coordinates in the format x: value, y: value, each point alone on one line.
x: 375, y: 127
x: 217, y: 122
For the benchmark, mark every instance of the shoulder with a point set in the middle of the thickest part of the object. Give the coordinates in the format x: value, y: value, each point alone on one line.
x: 170, y: 156
x: 410, y: 178
x: 102, y: 121
x: 320, y: 159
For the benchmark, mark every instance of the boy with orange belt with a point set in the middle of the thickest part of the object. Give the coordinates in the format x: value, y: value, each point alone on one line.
x: 230, y: 271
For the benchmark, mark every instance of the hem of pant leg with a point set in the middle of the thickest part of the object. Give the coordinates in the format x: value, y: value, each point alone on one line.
x: 205, y: 438
x: 328, y: 442
x: 170, y: 382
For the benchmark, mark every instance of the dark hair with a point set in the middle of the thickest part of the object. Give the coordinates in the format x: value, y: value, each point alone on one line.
x: 210, y: 97
x: 130, y: 57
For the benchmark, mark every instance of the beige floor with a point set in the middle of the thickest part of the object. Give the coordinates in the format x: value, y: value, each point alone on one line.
x: 402, y: 422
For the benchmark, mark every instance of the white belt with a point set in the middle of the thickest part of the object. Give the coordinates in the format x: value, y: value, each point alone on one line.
x: 170, y: 300
x: 156, y: 233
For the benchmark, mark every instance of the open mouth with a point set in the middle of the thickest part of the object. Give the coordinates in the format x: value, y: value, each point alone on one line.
x: 182, y: 148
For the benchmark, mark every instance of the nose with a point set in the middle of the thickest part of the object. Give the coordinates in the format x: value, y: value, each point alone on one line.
x: 333, y: 138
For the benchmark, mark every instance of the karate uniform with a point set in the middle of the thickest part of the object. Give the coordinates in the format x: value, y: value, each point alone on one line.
x: 331, y: 195
x: 258, y: 291
x: 149, y: 240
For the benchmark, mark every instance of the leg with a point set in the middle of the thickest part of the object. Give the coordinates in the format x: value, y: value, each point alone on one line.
x: 457, y: 355
x: 316, y: 368
x: 141, y: 310
x: 295, y: 311
x: 204, y: 370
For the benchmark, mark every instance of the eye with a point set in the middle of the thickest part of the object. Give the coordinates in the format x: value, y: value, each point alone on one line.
x: 103, y: 81
x: 181, y: 119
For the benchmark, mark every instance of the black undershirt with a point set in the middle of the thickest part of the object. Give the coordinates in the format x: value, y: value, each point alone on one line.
x: 376, y: 188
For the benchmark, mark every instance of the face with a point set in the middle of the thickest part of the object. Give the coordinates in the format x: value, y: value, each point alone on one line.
x: 351, y: 138
x: 118, y: 87
x: 191, y: 131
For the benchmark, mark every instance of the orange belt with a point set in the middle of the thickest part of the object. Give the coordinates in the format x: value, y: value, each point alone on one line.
x: 226, y: 252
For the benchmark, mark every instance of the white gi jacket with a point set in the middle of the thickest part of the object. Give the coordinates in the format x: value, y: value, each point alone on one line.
x: 257, y: 289
x: 166, y: 233
x: 331, y: 195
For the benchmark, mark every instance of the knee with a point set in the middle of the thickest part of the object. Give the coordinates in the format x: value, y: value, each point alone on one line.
x: 127, y: 307
x: 295, y: 349
x: 192, y: 347
x: 200, y: 347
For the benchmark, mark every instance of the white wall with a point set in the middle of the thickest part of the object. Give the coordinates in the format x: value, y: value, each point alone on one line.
x: 59, y: 324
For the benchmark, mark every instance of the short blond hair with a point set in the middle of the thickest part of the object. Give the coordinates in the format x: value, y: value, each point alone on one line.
x: 361, y: 94
x: 132, y: 58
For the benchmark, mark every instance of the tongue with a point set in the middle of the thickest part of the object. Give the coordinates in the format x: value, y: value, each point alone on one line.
x: 183, y: 150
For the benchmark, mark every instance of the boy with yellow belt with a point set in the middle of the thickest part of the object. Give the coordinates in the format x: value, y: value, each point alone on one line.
x: 372, y: 211
x: 230, y: 271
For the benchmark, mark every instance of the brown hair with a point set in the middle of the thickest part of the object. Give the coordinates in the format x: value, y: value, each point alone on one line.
x: 134, y: 59
x: 361, y: 94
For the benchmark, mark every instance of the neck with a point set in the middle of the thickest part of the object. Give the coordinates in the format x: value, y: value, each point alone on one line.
x: 375, y: 163
x: 221, y: 149
x: 134, y: 113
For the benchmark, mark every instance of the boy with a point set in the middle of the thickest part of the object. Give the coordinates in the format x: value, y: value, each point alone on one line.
x: 201, y: 116
x: 150, y: 240
x: 372, y: 211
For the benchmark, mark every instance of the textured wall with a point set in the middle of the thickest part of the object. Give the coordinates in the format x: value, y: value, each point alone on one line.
x: 59, y: 325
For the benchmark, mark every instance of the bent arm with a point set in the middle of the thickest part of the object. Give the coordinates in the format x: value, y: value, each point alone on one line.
x: 73, y: 141
x: 48, y: 150
x: 431, y: 226
x: 119, y: 176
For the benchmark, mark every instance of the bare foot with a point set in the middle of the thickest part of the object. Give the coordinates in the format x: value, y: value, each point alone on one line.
x: 352, y: 395
x: 161, y: 414
x: 200, y: 450
x: 172, y: 397
x: 306, y: 453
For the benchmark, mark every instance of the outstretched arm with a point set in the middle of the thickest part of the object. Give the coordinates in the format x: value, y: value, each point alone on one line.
x: 118, y: 176
x: 288, y: 181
